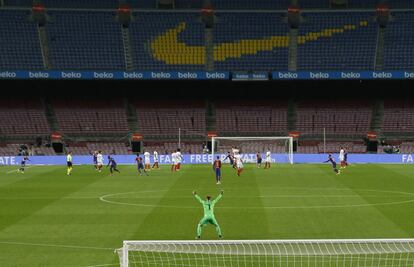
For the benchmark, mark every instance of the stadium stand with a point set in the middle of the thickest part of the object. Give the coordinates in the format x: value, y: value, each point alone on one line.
x: 144, y: 4
x: 253, y: 147
x: 253, y: 118
x: 307, y: 149
x: 169, y: 147
x: 374, y: 3
x: 398, y: 116
x: 331, y: 147
x: 162, y: 119
x: 217, y: 4
x: 15, y: 150
x: 19, y: 42
x: 307, y: 146
x: 399, y: 42
x: 249, y: 4
x: 85, y: 40
x: 334, y: 147
x: 88, y: 116
x: 337, y: 41
x: 176, y: 41
x: 251, y: 41
x: 168, y: 41
x: 22, y: 117
x: 350, y: 118
x: 407, y: 147
x: 87, y: 148
x: 18, y: 3
x: 82, y: 3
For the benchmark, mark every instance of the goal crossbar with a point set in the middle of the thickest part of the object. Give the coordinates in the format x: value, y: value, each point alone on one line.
x: 401, y: 250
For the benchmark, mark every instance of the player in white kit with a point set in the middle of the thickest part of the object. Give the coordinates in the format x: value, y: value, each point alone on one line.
x: 173, y: 161
x: 147, y: 161
x: 178, y: 159
x: 342, y: 157
x: 99, y: 161
x: 239, y: 164
x: 268, y: 159
x: 155, y: 165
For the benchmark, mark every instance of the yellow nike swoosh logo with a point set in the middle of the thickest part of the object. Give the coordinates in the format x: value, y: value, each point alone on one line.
x: 167, y: 48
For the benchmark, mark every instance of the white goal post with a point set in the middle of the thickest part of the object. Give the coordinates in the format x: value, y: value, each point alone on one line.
x: 287, y: 139
x: 280, y: 253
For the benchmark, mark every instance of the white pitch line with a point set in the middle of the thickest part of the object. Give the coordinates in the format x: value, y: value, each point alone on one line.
x: 52, y: 245
x: 24, y: 168
x: 103, y: 199
x: 232, y: 197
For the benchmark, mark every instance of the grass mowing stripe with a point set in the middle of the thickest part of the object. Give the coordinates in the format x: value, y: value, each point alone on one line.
x: 153, y: 222
x: 394, y: 179
x: 39, y: 184
x: 376, y: 220
x: 26, y: 168
x: 11, y: 176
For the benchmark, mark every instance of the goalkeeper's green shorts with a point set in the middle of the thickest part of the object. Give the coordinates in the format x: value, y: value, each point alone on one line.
x: 208, y: 220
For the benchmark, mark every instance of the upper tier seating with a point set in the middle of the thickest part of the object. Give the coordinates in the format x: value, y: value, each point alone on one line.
x: 19, y: 41
x: 337, y: 41
x: 399, y: 42
x: 85, y: 40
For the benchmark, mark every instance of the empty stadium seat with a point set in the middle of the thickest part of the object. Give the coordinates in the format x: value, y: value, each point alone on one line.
x: 398, y: 116
x: 168, y: 41
x: 164, y: 118
x: 251, y: 41
x: 399, y: 42
x: 337, y: 41
x: 335, y: 117
x: 96, y: 117
x: 19, y: 41
x: 85, y: 40
x: 22, y: 117
x: 243, y: 118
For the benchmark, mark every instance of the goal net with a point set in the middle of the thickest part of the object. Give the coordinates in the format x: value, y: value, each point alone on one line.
x: 280, y: 253
x: 281, y: 148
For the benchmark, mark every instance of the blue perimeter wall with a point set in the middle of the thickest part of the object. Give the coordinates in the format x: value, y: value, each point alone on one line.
x: 206, y: 158
x: 201, y: 75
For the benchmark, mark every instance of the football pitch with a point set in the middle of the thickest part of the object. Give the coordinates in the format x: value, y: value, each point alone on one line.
x: 50, y: 219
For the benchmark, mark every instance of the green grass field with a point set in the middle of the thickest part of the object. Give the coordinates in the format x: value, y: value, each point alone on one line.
x: 50, y: 219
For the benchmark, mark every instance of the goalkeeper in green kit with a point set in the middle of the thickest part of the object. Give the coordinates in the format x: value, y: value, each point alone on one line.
x: 208, y: 218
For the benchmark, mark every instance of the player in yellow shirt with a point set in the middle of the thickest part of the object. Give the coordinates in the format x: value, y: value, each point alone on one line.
x: 69, y: 163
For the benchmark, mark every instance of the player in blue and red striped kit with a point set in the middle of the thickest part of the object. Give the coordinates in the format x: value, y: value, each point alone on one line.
x: 217, y: 169
x: 330, y: 159
x: 140, y: 165
x: 112, y: 164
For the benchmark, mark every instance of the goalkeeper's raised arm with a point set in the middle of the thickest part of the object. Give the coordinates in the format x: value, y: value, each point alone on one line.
x: 218, y: 197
